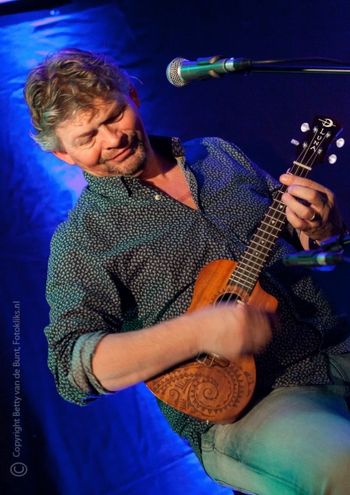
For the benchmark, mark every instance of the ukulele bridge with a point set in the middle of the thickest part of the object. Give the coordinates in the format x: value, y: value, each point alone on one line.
x: 212, y: 359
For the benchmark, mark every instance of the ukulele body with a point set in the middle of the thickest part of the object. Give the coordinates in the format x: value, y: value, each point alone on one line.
x: 212, y: 388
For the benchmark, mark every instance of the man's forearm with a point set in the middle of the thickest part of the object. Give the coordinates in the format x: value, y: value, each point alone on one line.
x: 228, y: 330
x: 124, y: 359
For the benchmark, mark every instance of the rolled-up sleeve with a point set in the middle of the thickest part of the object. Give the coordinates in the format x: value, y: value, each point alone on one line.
x: 84, y: 307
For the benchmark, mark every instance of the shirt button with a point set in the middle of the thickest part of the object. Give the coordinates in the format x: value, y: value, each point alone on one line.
x: 157, y: 197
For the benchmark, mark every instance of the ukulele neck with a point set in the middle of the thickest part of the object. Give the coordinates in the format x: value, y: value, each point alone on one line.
x: 263, y: 241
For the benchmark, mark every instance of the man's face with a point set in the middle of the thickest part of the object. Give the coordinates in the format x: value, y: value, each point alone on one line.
x: 108, y: 140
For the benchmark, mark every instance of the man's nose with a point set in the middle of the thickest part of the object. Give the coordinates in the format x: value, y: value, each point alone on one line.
x: 111, y: 137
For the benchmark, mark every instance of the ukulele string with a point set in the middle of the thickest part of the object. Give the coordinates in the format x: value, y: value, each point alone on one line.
x: 240, y: 292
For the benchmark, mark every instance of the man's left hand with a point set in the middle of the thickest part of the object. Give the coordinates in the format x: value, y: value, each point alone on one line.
x: 311, y: 208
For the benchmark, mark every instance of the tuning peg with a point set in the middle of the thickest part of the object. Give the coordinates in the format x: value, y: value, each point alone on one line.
x: 305, y: 127
x: 340, y: 142
x: 295, y: 142
x: 332, y: 158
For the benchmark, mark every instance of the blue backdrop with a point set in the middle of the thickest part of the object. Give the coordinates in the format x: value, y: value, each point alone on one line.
x: 121, y: 444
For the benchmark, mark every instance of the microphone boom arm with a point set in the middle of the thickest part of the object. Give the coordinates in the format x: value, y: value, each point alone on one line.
x: 181, y: 71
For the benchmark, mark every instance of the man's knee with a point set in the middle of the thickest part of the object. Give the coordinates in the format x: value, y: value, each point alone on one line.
x: 335, y: 479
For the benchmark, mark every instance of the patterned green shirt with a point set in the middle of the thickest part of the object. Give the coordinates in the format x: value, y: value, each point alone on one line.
x: 128, y: 257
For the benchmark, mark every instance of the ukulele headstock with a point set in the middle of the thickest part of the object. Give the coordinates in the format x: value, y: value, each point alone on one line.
x: 318, y: 137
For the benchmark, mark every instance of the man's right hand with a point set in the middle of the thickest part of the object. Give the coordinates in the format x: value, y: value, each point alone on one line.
x: 231, y: 329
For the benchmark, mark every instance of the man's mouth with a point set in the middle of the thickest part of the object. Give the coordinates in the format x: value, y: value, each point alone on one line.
x: 125, y: 152
x: 121, y: 154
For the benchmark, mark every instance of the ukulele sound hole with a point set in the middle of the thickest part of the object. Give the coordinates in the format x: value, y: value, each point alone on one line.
x: 228, y: 297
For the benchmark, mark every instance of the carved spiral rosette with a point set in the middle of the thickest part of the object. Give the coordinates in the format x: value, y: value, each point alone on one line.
x: 213, y: 393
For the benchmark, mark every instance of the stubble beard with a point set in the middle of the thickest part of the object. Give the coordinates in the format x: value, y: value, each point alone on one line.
x: 132, y: 165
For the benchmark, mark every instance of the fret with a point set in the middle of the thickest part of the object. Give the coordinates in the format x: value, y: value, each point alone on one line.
x: 257, y: 253
x: 242, y: 282
x: 246, y: 277
x: 262, y: 243
x: 269, y: 233
x: 278, y: 201
x: 268, y: 241
x: 265, y: 250
x: 298, y: 164
x: 280, y: 210
x: 275, y: 219
x: 264, y: 239
x: 253, y: 262
x: 249, y: 265
x: 252, y: 251
x: 246, y: 272
x: 271, y: 225
x: 239, y: 277
x: 246, y: 289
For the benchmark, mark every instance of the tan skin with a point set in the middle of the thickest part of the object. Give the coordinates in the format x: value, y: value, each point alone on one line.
x: 318, y: 220
x: 91, y: 139
x: 112, y: 141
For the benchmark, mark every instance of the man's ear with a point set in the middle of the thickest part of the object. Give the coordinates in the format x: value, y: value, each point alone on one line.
x: 134, y: 96
x: 63, y: 155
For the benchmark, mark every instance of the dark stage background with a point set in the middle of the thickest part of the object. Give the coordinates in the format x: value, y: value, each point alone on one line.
x: 120, y: 445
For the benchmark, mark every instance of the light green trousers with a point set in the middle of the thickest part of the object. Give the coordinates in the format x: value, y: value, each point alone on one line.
x: 296, y: 441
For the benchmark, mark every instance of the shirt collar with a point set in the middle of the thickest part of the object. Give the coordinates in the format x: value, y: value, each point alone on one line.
x: 122, y: 186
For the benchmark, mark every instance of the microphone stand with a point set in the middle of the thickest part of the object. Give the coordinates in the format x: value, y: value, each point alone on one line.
x: 288, y: 65
x: 335, y: 243
x: 334, y: 246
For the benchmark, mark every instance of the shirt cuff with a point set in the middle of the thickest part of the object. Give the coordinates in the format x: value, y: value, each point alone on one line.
x: 81, y: 374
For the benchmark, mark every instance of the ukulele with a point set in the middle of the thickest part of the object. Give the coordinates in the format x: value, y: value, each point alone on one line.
x: 211, y: 388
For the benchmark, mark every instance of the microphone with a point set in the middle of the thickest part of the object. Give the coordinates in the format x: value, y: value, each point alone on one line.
x: 314, y: 258
x: 181, y: 71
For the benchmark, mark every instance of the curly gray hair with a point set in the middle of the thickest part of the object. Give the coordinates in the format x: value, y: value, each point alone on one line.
x: 65, y: 82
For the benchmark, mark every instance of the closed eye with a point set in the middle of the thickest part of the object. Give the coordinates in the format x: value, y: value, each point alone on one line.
x: 116, y: 116
x: 86, y: 139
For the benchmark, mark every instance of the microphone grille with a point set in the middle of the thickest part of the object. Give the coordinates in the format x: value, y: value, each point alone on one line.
x: 173, y: 72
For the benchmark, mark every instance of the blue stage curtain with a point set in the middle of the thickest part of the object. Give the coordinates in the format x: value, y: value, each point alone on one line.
x: 121, y: 445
